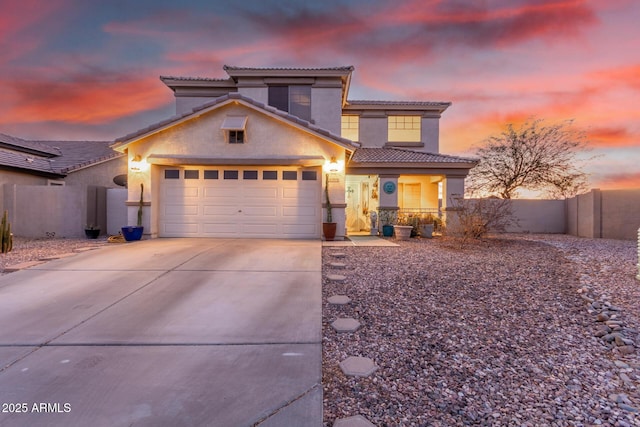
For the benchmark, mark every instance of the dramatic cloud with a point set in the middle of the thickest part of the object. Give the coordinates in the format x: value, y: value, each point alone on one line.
x: 87, y: 99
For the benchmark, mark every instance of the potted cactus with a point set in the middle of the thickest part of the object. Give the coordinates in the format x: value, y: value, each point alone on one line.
x: 329, y: 227
x: 132, y: 233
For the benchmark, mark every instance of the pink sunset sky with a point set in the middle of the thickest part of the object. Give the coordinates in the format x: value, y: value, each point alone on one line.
x: 88, y: 69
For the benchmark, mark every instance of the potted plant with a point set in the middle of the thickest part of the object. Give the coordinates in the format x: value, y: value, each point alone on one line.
x: 131, y: 232
x: 91, y: 231
x: 387, y: 217
x: 403, y: 227
x: 329, y: 227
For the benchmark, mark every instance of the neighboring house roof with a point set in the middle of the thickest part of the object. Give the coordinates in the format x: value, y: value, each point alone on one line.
x: 231, y: 70
x: 122, y: 142
x: 52, y: 158
x: 384, y: 156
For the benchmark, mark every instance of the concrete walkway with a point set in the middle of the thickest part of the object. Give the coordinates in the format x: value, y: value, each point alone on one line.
x: 361, y: 241
x: 166, y: 332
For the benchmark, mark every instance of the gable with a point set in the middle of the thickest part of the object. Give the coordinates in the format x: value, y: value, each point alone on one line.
x: 269, y: 138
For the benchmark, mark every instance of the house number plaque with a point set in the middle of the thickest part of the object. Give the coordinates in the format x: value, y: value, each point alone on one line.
x: 389, y: 187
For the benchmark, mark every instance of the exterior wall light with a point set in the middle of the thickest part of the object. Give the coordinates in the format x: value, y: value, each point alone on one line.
x: 137, y: 164
x: 333, y: 165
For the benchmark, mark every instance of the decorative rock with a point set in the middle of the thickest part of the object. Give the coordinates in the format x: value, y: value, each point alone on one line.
x: 345, y: 325
x: 602, y: 317
x: 336, y: 277
x: 620, y: 364
x: 339, y: 300
x: 627, y: 408
x: 602, y: 331
x: 338, y: 265
x: 358, y: 366
x: 627, y: 349
x: 355, y: 421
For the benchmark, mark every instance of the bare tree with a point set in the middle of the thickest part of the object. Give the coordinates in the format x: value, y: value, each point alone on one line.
x: 536, y: 156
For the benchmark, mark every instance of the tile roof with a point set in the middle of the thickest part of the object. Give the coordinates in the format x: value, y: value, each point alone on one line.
x: 398, y: 155
x: 79, y: 154
x: 234, y: 68
x: 23, y: 145
x: 400, y: 103
x: 53, y: 157
x: 223, y: 99
x: 194, y: 79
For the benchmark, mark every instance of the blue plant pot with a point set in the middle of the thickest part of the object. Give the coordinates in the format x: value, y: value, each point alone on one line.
x: 387, y: 230
x: 131, y: 233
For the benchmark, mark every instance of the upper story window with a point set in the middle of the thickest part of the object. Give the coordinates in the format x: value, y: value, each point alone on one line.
x: 404, y: 128
x: 294, y: 99
x: 350, y: 128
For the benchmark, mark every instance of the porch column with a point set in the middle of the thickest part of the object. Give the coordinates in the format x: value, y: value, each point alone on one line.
x: 452, y: 188
x: 388, y: 195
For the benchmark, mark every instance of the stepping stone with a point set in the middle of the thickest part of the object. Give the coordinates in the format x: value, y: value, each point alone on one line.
x: 339, y: 300
x: 336, y: 277
x: 338, y: 255
x: 345, y: 325
x: 339, y: 265
x: 355, y: 421
x: 358, y: 366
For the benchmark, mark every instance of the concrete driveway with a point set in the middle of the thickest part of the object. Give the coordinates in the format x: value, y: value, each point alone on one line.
x: 165, y: 332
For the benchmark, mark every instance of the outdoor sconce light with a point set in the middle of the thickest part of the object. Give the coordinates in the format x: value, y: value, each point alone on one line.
x: 136, y: 163
x: 333, y: 166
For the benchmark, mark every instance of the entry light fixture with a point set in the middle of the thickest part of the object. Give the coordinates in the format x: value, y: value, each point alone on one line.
x: 136, y: 164
x: 333, y: 165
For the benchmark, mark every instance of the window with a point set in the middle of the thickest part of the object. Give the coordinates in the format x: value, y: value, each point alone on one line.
x: 249, y: 174
x: 351, y: 127
x: 191, y: 174
x: 171, y: 174
x: 211, y: 174
x: 294, y: 99
x: 234, y: 128
x: 404, y: 128
x: 270, y: 175
x: 230, y: 174
x: 290, y: 175
x: 236, y: 137
x: 309, y: 175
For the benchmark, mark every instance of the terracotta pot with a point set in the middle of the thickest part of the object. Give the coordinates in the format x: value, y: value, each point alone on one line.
x: 329, y: 230
x: 402, y: 232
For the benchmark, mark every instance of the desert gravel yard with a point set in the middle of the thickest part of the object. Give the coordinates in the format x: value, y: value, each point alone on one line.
x: 500, y: 333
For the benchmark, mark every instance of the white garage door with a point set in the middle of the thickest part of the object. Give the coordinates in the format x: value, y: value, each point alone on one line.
x: 227, y: 201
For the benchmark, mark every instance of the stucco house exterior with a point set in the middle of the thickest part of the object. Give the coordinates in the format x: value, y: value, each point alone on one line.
x: 250, y: 155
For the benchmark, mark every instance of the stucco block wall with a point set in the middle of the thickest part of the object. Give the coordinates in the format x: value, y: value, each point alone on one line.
x: 101, y: 174
x: 539, y: 216
x: 620, y: 214
x: 9, y: 178
x: 430, y: 134
x: 326, y: 110
x: 37, y: 210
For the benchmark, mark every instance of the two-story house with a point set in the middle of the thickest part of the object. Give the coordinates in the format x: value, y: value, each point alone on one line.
x: 250, y: 156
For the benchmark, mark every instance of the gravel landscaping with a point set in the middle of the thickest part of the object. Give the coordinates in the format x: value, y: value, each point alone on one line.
x: 525, y: 330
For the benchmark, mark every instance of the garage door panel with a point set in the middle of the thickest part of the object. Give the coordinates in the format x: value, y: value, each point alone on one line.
x: 299, y: 211
x: 268, y: 193
x: 221, y: 228
x: 260, y: 211
x: 181, y: 228
x: 260, y: 229
x: 268, y: 208
x: 180, y: 210
x: 212, y: 210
